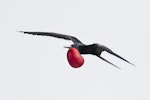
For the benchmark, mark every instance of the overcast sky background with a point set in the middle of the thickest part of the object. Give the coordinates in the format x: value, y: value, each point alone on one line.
x: 36, y: 67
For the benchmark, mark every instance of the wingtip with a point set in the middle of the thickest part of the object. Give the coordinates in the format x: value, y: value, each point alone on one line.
x: 25, y: 32
x: 20, y: 31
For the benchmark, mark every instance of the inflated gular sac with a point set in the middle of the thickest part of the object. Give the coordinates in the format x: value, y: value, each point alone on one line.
x: 74, y: 58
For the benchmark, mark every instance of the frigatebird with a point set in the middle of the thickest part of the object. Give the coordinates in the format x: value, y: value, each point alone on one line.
x: 94, y: 49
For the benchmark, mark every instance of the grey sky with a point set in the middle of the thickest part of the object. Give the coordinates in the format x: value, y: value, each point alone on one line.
x: 36, y: 67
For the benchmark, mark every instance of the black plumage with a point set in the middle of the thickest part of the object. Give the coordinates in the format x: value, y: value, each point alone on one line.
x: 94, y: 49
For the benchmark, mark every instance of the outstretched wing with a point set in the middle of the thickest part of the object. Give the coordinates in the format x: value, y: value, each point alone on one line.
x: 104, y: 48
x: 53, y: 34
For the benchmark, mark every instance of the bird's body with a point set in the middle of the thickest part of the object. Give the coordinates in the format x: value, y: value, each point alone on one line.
x: 88, y: 49
x: 94, y: 49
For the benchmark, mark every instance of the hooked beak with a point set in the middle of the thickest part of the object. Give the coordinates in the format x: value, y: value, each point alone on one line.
x: 67, y: 47
x: 109, y: 62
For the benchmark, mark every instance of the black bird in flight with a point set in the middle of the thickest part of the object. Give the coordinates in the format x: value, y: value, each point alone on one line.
x: 94, y: 49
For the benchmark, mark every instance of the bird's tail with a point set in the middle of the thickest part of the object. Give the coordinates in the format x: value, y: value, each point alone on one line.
x: 109, y: 62
x: 111, y: 52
